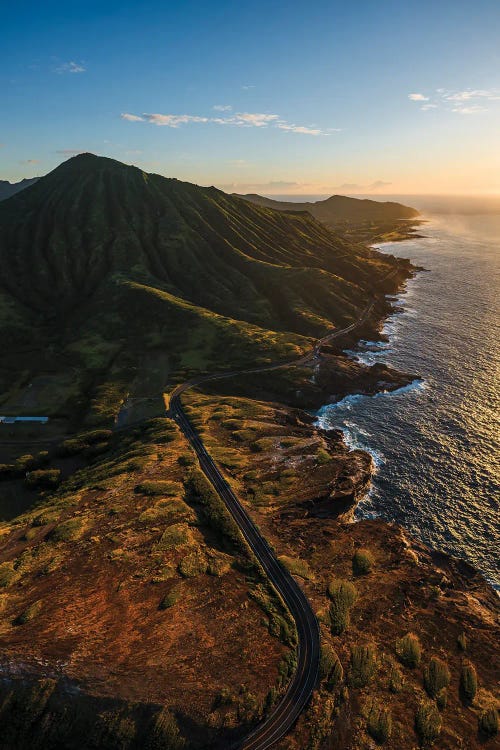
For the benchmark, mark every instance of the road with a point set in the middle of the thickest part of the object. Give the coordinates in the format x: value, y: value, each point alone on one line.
x: 299, y: 691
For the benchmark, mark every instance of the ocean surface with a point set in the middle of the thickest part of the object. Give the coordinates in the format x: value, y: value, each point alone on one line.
x: 435, y: 443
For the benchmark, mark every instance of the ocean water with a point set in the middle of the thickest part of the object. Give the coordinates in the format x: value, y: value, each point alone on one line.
x: 435, y: 443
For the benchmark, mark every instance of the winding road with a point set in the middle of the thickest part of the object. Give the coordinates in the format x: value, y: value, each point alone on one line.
x: 299, y: 691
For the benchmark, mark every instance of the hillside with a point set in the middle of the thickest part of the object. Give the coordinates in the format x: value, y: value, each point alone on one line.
x: 105, y: 269
x: 7, y: 189
x: 361, y: 219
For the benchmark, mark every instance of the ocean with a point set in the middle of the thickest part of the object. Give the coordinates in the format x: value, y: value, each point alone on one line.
x: 435, y: 443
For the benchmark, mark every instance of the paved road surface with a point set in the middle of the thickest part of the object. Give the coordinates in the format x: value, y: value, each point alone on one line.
x: 286, y: 712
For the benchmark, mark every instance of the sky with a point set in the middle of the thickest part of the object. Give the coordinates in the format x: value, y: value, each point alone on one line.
x: 372, y: 96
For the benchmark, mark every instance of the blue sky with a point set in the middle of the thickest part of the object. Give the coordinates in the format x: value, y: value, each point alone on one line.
x: 380, y: 95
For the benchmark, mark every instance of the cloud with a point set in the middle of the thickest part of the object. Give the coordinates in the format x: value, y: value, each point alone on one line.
x: 238, y: 119
x: 356, y: 187
x: 465, y: 102
x: 71, y: 67
x: 29, y: 161
x: 131, y: 118
x: 222, y: 107
x: 70, y: 151
x: 248, y: 87
x: 299, y: 129
x: 468, y: 94
x: 474, y: 109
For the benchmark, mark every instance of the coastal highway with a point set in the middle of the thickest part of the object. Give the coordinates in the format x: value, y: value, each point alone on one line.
x: 285, y: 713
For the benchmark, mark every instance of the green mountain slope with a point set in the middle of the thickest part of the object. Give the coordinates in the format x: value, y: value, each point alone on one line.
x: 101, y: 264
x: 370, y: 219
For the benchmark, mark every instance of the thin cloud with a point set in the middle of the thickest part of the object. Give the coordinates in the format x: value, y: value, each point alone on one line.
x: 71, y: 67
x: 247, y: 87
x: 222, y: 107
x: 29, y: 161
x: 70, y: 151
x: 474, y: 109
x: 238, y: 119
x: 465, y: 102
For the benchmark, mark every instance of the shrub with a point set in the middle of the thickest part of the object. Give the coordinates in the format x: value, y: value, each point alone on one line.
x: 343, y: 595
x: 47, y: 478
x: 160, y: 487
x: 29, y: 613
x: 379, y: 724
x: 409, y: 650
x: 330, y: 667
x: 468, y: 681
x: 488, y: 722
x: 23, y: 463
x: 395, y: 680
x: 442, y: 699
x: 185, y: 460
x: 362, y: 562
x: 193, y: 564
x: 170, y: 599
x: 462, y: 642
x: 173, y: 536
x: 68, y: 531
x: 7, y: 574
x: 436, y: 676
x: 323, y: 457
x: 164, y: 733
x: 427, y: 723
x: 363, y: 665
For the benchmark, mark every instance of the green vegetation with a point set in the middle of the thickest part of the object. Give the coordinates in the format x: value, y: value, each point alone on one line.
x: 297, y: 567
x: 32, y: 611
x: 170, y: 599
x: 427, y: 723
x: 409, y: 650
x: 68, y: 531
x: 330, y: 667
x: 7, y: 574
x: 436, y: 676
x: 343, y: 595
x: 174, y: 536
x: 159, y: 487
x: 468, y: 681
x: 396, y: 681
x: 193, y: 564
x: 200, y: 491
x: 489, y: 722
x: 362, y: 562
x: 115, y: 270
x: 462, y: 642
x: 379, y: 724
x: 363, y: 666
x: 43, y: 478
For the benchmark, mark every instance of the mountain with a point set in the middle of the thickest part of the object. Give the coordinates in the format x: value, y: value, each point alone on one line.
x: 11, y: 188
x: 105, y: 269
x: 370, y: 219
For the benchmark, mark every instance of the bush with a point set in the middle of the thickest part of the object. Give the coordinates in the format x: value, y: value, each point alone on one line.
x: 396, y: 681
x: 409, y: 650
x: 173, y: 536
x: 330, y: 667
x: 68, y: 531
x: 379, y: 724
x: 488, y: 722
x: 7, y: 574
x: 170, y: 599
x: 363, y: 665
x: 442, y: 699
x: 43, y: 478
x: 343, y: 595
x: 462, y: 642
x: 164, y: 733
x: 436, y: 676
x: 468, y: 681
x: 29, y: 613
x: 160, y: 487
x: 193, y: 565
x: 362, y: 562
x: 427, y: 723
x: 185, y: 460
x: 323, y: 457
